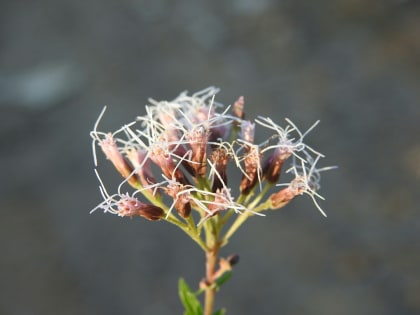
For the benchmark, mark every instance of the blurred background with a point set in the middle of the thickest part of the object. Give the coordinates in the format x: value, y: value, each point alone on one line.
x: 355, y: 65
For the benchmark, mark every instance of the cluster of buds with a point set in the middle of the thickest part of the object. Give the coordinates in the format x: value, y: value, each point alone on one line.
x: 179, y: 156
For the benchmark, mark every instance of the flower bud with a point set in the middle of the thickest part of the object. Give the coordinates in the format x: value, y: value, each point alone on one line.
x: 185, y: 162
x: 218, y: 133
x: 142, y: 166
x: 247, y: 131
x: 220, y: 201
x: 181, y: 198
x: 296, y: 187
x: 197, y: 140
x: 273, y: 165
x: 238, y: 108
x: 233, y: 259
x: 183, y: 208
x: 110, y: 149
x: 281, y: 198
x: 219, y: 157
x: 130, y: 206
x: 167, y: 165
x: 252, y: 167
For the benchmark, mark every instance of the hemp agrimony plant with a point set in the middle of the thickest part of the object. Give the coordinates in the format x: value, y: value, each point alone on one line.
x: 178, y: 162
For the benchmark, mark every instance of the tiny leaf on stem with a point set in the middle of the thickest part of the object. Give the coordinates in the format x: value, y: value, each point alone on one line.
x: 223, y: 278
x: 189, y: 300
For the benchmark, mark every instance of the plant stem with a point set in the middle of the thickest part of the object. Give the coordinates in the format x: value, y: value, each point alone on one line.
x: 211, y: 260
x: 189, y: 230
x: 244, y: 216
x: 235, y: 225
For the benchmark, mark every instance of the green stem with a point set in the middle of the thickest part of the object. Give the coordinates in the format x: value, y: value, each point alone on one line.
x: 259, y: 197
x: 192, y: 232
x: 226, y: 217
x: 235, y: 225
x: 244, y: 216
x: 241, y: 199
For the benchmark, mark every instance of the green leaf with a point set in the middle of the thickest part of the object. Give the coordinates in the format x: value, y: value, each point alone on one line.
x: 222, y: 311
x: 223, y: 278
x: 189, y: 300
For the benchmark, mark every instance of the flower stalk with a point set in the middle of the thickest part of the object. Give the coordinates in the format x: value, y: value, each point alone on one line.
x: 200, y: 151
x: 210, y: 291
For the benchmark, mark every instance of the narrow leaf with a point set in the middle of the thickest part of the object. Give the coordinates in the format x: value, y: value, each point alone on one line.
x: 223, y: 278
x: 189, y: 300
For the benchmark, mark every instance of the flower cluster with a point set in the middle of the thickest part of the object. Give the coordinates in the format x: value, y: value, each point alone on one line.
x: 175, y: 160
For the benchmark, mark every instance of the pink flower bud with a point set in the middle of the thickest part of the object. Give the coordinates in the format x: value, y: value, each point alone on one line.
x: 219, y: 157
x: 110, y: 149
x: 238, y: 108
x: 221, y: 201
x: 197, y: 140
x: 252, y: 168
x: 183, y: 208
x: 247, y: 131
x: 141, y: 163
x: 282, y: 197
x: 166, y: 163
x: 272, y: 167
x: 130, y: 206
x: 181, y: 198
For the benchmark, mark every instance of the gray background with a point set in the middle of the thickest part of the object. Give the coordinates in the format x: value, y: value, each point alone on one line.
x: 353, y: 64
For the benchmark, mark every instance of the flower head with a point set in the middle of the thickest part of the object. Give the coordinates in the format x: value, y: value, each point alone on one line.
x: 179, y: 153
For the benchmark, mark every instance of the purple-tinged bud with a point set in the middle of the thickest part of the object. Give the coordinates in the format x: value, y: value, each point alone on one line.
x: 252, y: 168
x: 197, y: 140
x: 296, y: 187
x: 167, y: 117
x: 110, y: 149
x: 183, y: 208
x: 130, y: 206
x: 181, y: 151
x: 167, y: 165
x: 281, y: 198
x: 220, y: 201
x: 181, y: 198
x: 247, y: 131
x: 274, y: 163
x: 238, y: 108
x: 201, y: 114
x: 218, y: 132
x: 142, y: 166
x: 219, y: 158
